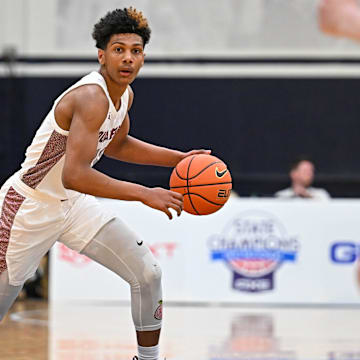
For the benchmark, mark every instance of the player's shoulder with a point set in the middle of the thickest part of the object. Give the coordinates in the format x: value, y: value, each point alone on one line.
x: 90, y: 98
x: 85, y: 99
x: 90, y: 93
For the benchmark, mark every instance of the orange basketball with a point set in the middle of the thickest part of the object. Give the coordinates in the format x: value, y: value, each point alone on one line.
x: 204, y: 181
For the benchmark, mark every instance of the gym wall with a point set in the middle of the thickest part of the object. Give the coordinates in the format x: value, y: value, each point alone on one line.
x: 254, y: 81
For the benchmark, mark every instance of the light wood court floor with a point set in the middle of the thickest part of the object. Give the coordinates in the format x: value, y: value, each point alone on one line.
x: 104, y: 331
x: 20, y: 340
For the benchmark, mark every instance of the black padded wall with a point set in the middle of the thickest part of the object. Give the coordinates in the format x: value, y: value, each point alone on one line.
x: 257, y: 126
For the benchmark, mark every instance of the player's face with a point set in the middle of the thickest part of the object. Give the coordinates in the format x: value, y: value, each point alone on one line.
x: 123, y: 57
x: 304, y: 173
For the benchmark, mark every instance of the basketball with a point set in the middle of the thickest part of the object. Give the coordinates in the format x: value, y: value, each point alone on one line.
x: 204, y: 181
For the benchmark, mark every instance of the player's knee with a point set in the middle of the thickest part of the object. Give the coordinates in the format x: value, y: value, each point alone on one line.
x: 152, y: 274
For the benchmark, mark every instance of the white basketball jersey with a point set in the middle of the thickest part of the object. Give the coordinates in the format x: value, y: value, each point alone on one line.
x: 42, y: 169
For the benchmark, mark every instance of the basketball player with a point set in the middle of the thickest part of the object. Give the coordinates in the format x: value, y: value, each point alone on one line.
x: 52, y: 196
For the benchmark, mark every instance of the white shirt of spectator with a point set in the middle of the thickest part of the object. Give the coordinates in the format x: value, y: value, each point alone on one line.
x: 316, y: 194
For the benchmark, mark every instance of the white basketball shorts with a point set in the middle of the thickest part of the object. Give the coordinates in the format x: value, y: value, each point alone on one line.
x: 30, y: 224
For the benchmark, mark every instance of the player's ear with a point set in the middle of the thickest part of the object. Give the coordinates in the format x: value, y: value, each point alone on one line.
x: 101, y: 56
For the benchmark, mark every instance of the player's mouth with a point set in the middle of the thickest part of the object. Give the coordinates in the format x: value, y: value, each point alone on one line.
x: 126, y: 72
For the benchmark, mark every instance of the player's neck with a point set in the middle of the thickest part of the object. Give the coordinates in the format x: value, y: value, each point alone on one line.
x: 115, y: 90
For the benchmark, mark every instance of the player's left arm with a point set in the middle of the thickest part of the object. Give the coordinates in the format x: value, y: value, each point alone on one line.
x: 126, y: 148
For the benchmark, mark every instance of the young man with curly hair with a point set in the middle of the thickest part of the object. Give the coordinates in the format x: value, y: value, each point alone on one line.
x: 52, y: 196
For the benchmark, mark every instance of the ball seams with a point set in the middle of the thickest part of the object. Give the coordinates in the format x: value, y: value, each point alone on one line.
x: 185, y: 186
x: 203, y: 197
x: 194, y: 176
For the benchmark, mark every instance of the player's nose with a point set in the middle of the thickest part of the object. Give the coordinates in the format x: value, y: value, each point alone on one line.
x: 127, y: 57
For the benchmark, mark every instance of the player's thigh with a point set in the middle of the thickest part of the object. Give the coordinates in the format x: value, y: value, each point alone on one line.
x: 28, y: 229
x: 85, y: 217
x: 121, y: 250
x: 107, y: 239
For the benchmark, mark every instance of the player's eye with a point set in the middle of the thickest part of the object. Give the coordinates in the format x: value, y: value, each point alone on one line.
x: 118, y: 49
x: 136, y: 51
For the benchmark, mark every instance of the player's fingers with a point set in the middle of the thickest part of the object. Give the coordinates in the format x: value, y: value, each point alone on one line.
x: 167, y: 212
x: 179, y: 203
x: 177, y: 208
x: 205, y: 151
x: 177, y: 195
x: 200, y: 151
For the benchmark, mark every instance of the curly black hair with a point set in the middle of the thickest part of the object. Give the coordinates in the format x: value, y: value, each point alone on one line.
x: 121, y: 21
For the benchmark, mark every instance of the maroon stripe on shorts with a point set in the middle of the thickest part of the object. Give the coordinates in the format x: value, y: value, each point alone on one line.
x: 11, y: 205
x: 52, y: 153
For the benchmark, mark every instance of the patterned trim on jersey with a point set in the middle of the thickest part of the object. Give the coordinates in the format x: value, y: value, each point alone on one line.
x: 11, y: 205
x: 52, y: 153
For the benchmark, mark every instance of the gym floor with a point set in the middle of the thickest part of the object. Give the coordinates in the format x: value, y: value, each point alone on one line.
x: 103, y: 331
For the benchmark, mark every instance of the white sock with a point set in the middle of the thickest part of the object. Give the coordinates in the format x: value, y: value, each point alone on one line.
x: 148, y: 353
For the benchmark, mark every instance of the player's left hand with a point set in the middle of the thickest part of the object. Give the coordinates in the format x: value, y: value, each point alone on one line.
x: 195, y: 152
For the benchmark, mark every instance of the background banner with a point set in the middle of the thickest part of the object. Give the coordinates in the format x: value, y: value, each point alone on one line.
x: 251, y: 251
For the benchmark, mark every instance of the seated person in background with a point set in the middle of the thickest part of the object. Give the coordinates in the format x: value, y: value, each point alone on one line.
x: 302, y: 176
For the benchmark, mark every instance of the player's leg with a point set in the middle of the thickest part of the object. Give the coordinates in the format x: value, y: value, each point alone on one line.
x: 20, y: 245
x: 8, y: 294
x: 119, y: 249
x: 26, y: 235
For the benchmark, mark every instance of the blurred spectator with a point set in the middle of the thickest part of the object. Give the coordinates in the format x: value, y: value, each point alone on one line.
x: 301, y: 174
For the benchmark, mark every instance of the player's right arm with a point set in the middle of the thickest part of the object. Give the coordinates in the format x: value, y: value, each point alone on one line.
x: 340, y: 18
x: 89, y: 109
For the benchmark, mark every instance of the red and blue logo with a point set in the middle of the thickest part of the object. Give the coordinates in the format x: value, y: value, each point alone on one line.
x: 254, y: 245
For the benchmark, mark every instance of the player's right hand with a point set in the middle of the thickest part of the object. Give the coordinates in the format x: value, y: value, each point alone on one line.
x: 162, y: 199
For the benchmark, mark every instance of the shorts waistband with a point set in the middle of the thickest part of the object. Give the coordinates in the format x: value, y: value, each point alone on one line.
x: 27, y: 191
